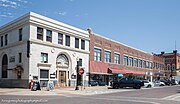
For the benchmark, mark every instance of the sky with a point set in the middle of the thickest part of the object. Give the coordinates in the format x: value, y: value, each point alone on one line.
x: 148, y: 25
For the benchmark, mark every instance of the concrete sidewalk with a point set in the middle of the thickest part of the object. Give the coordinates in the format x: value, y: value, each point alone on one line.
x: 61, y: 91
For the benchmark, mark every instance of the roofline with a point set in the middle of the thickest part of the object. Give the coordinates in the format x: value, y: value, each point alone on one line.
x: 122, y: 44
x: 33, y: 14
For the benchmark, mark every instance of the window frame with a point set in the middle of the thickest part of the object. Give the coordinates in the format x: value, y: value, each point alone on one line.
x: 68, y: 40
x: 6, y: 39
x: 20, y: 34
x: 60, y: 38
x: 116, y: 58
x: 82, y: 44
x: 48, y: 35
x: 97, y: 54
x: 77, y: 43
x: 47, y: 74
x: 20, y: 57
x: 125, y: 60
x: 43, y: 57
x: 2, y: 41
x: 40, y: 33
x: 107, y: 56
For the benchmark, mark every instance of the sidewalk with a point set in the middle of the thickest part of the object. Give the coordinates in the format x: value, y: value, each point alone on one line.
x: 61, y: 91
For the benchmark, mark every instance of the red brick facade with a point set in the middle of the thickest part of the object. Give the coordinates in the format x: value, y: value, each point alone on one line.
x: 105, y: 44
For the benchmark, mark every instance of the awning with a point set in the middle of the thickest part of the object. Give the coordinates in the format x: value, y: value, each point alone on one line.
x: 120, y: 71
x: 116, y: 71
x: 98, y: 67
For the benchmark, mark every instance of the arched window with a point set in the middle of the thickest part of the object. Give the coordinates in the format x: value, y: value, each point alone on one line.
x: 4, y: 66
x: 62, y: 60
x: 169, y: 67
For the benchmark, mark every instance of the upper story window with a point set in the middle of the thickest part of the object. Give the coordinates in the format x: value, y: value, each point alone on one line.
x: 49, y: 35
x: 97, y: 54
x: 107, y: 56
x: 168, y: 67
x: 173, y: 67
x: 1, y: 41
x: 6, y: 39
x: 150, y: 65
x: 76, y: 42
x: 135, y: 62
x: 125, y: 62
x: 44, y: 58
x: 130, y: 61
x: 147, y: 64
x: 116, y: 58
x: 80, y: 62
x: 67, y: 40
x: 83, y: 44
x: 20, y: 57
x: 20, y: 34
x: 60, y: 38
x: 39, y: 33
x: 144, y: 64
x: 140, y: 63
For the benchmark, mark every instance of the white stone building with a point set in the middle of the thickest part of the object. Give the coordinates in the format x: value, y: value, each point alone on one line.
x: 36, y: 47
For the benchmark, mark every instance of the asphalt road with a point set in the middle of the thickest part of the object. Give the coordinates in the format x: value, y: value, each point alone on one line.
x: 162, y: 95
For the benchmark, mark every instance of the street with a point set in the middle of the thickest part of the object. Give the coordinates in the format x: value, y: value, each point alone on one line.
x: 160, y: 95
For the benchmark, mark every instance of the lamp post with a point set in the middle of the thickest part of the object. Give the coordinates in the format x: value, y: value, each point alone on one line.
x: 77, y: 75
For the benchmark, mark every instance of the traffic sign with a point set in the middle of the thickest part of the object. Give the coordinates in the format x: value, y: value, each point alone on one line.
x: 81, y: 71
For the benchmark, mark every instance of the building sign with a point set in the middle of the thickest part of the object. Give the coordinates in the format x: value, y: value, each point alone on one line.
x: 12, y: 59
x: 52, y: 75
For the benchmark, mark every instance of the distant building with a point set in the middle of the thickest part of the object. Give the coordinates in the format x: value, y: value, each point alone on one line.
x: 172, y: 63
x: 39, y: 48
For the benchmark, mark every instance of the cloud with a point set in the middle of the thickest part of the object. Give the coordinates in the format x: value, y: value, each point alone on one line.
x: 23, y: 1
x: 8, y: 6
x: 61, y: 13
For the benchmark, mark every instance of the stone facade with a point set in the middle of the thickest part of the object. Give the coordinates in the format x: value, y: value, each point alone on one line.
x: 46, y: 58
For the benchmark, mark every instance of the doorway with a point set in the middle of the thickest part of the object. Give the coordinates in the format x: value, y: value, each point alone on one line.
x: 62, y: 78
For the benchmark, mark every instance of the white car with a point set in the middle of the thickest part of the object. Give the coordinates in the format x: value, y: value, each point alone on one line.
x: 159, y: 83
x: 148, y: 84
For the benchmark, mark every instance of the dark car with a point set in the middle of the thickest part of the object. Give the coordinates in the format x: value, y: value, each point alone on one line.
x: 101, y: 83
x: 93, y: 83
x: 167, y: 82
x: 127, y: 82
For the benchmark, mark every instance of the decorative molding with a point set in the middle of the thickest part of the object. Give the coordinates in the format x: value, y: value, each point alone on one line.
x: 44, y: 64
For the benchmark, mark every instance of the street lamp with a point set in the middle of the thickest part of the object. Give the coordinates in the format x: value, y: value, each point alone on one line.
x: 77, y: 74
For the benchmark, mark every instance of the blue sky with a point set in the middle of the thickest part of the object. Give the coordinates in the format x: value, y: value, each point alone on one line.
x: 148, y: 25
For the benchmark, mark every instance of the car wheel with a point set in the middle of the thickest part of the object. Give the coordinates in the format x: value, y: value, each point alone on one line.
x: 149, y: 86
x: 116, y: 86
x: 138, y: 86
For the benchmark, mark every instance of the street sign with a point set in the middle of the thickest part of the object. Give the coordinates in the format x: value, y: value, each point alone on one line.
x: 81, y: 71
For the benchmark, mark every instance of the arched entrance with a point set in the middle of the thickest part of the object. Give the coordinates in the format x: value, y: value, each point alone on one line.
x: 4, y: 66
x: 62, y: 63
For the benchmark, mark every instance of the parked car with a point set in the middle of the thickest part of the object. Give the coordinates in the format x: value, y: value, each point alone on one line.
x: 159, y: 83
x: 148, y: 84
x: 173, y: 82
x: 101, y: 83
x: 93, y: 83
x: 127, y: 82
x: 166, y: 81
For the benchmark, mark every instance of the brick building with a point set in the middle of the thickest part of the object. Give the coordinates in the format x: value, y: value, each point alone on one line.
x: 110, y: 59
x: 172, y: 63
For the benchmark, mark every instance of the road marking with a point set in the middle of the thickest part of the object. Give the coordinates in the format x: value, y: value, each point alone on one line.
x: 172, y: 97
x: 127, y: 100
